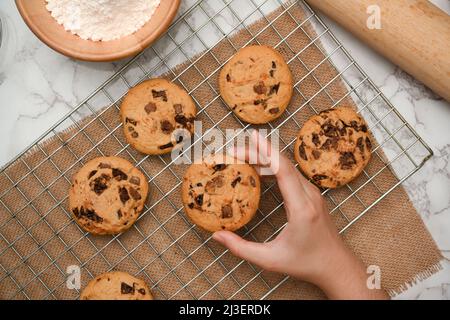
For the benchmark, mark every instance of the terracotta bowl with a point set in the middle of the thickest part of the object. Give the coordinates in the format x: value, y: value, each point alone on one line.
x: 45, y: 27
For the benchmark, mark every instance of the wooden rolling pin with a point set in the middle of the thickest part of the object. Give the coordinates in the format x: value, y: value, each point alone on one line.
x: 414, y: 34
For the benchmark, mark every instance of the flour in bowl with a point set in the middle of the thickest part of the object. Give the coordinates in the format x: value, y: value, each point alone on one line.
x: 102, y: 20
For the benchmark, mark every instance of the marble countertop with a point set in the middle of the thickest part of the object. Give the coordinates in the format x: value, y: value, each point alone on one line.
x: 38, y: 86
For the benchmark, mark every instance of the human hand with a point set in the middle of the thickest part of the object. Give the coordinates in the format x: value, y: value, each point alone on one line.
x: 309, y: 247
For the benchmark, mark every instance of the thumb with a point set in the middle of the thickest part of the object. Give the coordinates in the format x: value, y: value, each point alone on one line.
x: 259, y: 254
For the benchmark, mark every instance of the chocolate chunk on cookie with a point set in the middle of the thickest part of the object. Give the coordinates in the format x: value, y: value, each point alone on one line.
x: 152, y: 112
x: 107, y: 195
x: 227, y: 211
x: 256, y: 84
x: 167, y: 127
x: 119, y: 175
x: 116, y: 285
x: 99, y: 184
x: 219, y: 196
x: 160, y: 94
x: 333, y: 148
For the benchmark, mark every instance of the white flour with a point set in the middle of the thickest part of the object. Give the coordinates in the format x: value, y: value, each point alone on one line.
x: 102, y: 20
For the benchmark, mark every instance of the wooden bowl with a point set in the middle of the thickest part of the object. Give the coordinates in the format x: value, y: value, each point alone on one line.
x: 45, y: 27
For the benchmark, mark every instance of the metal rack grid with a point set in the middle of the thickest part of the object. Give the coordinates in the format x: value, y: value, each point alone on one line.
x: 400, y: 151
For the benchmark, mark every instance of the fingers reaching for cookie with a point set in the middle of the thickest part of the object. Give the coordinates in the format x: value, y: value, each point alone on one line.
x: 258, y: 153
x: 292, y: 184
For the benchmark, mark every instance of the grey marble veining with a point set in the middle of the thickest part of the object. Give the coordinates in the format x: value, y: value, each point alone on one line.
x: 38, y: 86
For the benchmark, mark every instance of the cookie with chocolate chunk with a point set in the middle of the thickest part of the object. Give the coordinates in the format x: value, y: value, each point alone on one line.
x: 107, y: 195
x: 333, y: 148
x: 256, y: 84
x: 116, y: 285
x: 154, y: 114
x: 221, y: 195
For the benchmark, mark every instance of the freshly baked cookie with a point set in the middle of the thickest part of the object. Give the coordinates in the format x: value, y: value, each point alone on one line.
x: 333, y: 147
x: 116, y: 285
x: 256, y: 84
x: 219, y: 196
x: 151, y: 114
x: 107, y: 195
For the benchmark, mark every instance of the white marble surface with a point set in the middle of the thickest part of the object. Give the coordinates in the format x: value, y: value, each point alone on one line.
x: 39, y: 86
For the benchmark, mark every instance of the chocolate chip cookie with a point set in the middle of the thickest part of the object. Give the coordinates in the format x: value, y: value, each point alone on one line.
x: 153, y: 115
x: 116, y: 285
x: 107, y: 195
x: 256, y: 84
x: 333, y: 147
x: 221, y: 195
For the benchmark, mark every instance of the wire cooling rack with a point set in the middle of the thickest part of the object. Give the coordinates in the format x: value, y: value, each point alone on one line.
x: 35, y: 269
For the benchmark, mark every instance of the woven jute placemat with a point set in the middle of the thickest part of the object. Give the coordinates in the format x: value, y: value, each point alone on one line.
x: 39, y: 239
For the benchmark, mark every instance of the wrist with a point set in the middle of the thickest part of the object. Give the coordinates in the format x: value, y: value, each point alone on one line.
x: 345, y: 277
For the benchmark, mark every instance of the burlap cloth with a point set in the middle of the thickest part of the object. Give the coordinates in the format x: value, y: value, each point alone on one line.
x: 39, y: 240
